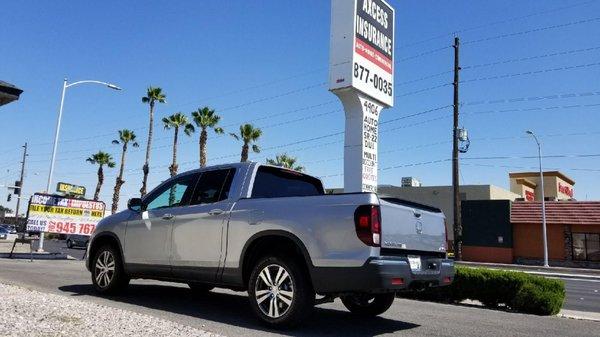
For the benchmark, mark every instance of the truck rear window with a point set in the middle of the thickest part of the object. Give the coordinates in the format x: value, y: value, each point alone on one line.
x: 273, y: 182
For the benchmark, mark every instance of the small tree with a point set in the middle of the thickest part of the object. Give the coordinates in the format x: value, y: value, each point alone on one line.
x: 283, y: 160
x: 248, y: 135
x: 125, y: 138
x: 100, y: 158
x: 205, y: 118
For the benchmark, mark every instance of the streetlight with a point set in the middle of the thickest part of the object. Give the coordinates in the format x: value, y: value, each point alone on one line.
x: 545, y: 238
x: 60, y: 111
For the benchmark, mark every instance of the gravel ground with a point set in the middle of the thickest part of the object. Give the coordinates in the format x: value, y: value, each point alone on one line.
x: 26, y: 312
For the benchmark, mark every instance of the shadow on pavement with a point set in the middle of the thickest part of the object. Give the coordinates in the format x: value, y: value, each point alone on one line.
x: 234, y: 309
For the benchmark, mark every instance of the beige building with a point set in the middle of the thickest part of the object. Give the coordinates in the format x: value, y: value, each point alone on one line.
x: 441, y: 197
x: 557, y: 186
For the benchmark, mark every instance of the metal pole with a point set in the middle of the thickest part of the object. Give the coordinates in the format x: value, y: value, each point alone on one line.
x: 544, y: 233
x: 455, y: 182
x: 20, y: 186
x: 56, y: 134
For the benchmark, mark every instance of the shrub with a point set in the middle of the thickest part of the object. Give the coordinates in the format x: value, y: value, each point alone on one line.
x: 516, y: 290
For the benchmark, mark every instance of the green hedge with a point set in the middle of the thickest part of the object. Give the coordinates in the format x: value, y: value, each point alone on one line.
x: 515, y: 290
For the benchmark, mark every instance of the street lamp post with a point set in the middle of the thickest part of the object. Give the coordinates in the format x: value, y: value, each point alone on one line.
x: 57, y: 132
x: 545, y: 236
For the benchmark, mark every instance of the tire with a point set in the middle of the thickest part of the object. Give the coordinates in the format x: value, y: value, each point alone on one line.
x: 69, y: 244
x: 200, y: 288
x: 108, y: 275
x: 368, y: 305
x: 282, y: 298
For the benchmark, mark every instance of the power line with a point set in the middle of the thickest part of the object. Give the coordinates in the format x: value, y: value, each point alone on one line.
x: 495, y: 23
x: 535, y: 30
x: 527, y: 73
x: 534, y: 98
x: 529, y: 58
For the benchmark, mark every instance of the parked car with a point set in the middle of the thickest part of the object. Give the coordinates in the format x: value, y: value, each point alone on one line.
x: 76, y: 240
x: 274, y: 233
x: 12, y: 229
x: 5, y: 234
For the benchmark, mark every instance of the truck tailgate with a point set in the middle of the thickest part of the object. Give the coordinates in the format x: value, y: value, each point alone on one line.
x: 410, y: 226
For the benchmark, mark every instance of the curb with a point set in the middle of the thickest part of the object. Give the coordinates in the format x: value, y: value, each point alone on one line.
x: 37, y: 256
x: 528, y: 270
x: 580, y: 315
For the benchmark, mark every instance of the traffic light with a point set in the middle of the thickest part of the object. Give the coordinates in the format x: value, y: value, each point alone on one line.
x: 17, y: 189
x: 8, y: 197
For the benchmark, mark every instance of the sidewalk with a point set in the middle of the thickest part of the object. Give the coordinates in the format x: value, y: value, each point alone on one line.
x: 575, y: 273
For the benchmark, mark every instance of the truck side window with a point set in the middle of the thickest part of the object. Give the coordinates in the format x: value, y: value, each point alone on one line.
x: 213, y: 186
x: 273, y: 182
x: 175, y: 193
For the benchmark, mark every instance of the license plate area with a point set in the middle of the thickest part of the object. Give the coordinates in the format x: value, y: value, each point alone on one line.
x: 415, y: 262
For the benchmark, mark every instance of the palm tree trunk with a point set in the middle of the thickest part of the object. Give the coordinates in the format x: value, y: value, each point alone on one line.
x: 203, y: 139
x: 119, y: 182
x: 146, y: 167
x: 100, y: 182
x: 173, y: 168
x: 245, y: 152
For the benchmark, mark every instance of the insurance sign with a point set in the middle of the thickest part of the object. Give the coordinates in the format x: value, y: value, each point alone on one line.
x: 63, y: 215
x: 70, y: 189
x: 362, y: 48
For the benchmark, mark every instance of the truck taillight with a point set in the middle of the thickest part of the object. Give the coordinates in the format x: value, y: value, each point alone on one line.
x: 367, y: 220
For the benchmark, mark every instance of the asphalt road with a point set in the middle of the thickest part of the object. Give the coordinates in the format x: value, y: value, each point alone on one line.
x: 60, y: 246
x: 582, y: 295
x: 228, y: 313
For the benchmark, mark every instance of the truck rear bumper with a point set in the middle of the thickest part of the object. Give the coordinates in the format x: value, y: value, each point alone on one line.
x: 383, y: 274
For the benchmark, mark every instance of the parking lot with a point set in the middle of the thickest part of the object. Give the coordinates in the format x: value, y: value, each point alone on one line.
x: 228, y: 313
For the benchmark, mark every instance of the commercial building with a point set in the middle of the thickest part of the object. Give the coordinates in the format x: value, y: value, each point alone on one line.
x: 506, y: 226
x: 442, y: 197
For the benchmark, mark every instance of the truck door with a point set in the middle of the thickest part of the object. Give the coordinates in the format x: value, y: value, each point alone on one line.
x: 198, y: 231
x: 148, y: 236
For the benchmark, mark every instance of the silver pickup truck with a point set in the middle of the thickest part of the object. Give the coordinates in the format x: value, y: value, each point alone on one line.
x: 274, y: 233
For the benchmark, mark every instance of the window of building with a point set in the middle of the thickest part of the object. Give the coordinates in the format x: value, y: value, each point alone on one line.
x: 586, y: 246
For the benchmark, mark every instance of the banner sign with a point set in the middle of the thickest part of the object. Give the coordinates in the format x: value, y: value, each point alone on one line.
x: 63, y: 215
x: 362, y: 48
x: 71, y: 189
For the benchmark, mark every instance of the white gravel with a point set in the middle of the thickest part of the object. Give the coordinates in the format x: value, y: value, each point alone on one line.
x: 25, y: 312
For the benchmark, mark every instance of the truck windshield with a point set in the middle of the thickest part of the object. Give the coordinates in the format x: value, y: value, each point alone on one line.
x: 273, y: 182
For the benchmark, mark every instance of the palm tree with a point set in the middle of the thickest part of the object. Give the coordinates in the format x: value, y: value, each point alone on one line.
x: 248, y: 134
x: 153, y: 95
x: 283, y: 160
x: 100, y: 159
x: 176, y: 121
x: 125, y: 137
x: 206, y: 118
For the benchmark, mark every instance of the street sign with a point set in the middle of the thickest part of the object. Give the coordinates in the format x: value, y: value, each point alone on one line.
x: 64, y: 215
x: 362, y: 48
x: 70, y: 189
x: 361, y: 74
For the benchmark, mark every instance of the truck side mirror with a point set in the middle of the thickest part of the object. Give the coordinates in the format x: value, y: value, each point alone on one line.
x: 135, y: 204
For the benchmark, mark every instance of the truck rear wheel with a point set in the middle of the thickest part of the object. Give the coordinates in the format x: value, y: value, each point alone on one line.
x: 280, y: 293
x: 368, y: 305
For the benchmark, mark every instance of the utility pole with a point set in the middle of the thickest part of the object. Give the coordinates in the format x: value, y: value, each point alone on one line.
x: 20, y: 185
x: 455, y: 168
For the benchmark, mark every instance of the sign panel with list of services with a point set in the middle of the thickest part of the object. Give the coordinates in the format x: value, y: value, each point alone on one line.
x: 63, y: 215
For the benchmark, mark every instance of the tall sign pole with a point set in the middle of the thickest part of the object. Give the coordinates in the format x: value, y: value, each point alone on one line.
x: 361, y: 74
x: 455, y: 168
x: 20, y: 186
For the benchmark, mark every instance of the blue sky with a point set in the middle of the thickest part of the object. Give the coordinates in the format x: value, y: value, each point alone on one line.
x: 266, y: 62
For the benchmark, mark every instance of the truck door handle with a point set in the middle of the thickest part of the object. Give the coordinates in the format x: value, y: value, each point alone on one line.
x: 215, y: 212
x: 168, y: 216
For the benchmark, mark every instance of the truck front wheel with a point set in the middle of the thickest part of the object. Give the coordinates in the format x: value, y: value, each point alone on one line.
x: 369, y: 305
x: 280, y: 293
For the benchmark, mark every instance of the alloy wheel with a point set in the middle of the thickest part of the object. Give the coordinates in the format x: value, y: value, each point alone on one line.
x: 105, y: 269
x: 274, y: 291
